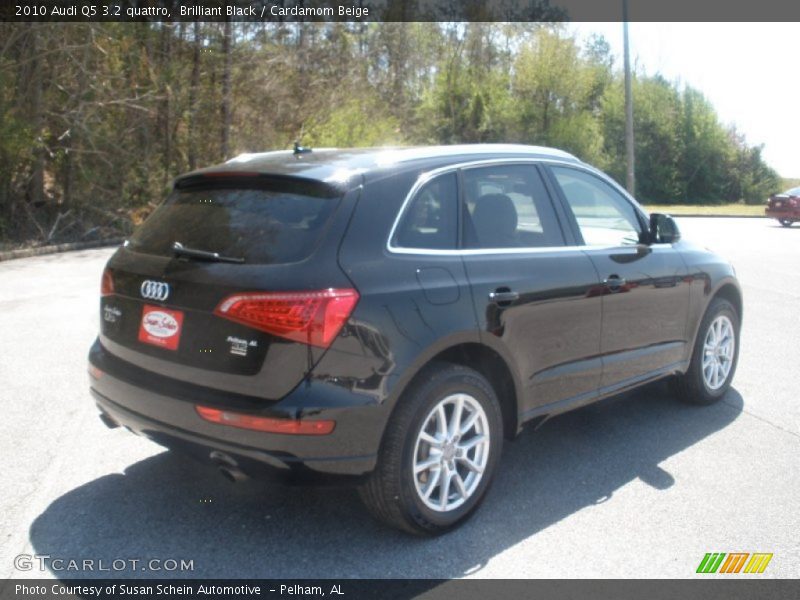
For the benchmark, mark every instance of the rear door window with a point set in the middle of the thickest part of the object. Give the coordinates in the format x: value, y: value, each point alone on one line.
x: 258, y: 224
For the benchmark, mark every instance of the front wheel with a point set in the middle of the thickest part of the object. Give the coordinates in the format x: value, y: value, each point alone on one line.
x: 714, y: 358
x: 786, y: 222
x: 439, y: 452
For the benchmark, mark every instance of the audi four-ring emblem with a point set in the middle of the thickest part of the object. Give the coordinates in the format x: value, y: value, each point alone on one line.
x: 154, y: 290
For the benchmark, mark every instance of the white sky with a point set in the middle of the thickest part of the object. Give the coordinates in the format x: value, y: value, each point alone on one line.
x: 748, y: 71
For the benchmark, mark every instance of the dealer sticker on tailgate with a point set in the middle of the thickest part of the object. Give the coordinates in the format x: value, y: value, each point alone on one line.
x: 161, y: 327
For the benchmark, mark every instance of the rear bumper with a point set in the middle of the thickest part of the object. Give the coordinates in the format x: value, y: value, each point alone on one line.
x: 347, y: 453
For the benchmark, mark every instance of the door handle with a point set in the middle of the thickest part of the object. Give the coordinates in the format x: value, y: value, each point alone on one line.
x: 503, y: 296
x: 614, y: 282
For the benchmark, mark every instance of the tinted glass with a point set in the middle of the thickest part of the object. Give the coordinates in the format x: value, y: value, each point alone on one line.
x: 260, y: 225
x: 432, y: 216
x: 508, y: 207
x: 604, y: 216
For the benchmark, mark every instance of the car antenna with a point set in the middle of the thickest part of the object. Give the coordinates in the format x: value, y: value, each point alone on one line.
x: 298, y: 149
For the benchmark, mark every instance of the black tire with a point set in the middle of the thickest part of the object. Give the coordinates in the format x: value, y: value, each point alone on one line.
x: 390, y: 493
x: 786, y: 222
x: 691, y: 386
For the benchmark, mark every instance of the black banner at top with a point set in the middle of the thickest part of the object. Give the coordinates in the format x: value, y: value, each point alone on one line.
x: 266, y: 11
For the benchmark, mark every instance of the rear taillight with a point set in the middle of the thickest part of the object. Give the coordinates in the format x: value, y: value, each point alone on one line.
x: 107, y: 283
x: 794, y: 202
x: 266, y: 424
x: 313, y: 318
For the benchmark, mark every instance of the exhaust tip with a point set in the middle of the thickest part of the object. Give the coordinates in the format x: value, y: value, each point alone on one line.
x: 227, y: 466
x: 108, y: 421
x: 233, y: 475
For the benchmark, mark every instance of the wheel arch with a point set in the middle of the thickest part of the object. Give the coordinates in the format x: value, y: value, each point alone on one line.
x: 472, y: 353
x: 730, y: 292
x: 727, y: 289
x: 494, y: 368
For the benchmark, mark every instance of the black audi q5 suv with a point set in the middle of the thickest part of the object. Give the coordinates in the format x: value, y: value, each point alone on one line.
x: 388, y: 317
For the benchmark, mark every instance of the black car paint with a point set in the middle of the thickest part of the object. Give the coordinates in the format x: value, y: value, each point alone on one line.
x: 567, y: 340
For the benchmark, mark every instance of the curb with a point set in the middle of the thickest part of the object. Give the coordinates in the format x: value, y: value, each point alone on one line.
x: 56, y: 248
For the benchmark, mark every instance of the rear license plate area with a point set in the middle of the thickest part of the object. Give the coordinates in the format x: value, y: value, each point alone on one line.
x: 161, y: 327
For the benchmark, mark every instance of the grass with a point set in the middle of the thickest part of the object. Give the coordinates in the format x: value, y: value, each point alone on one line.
x: 727, y: 210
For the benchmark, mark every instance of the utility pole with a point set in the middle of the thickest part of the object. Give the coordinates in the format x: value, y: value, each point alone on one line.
x: 631, y: 178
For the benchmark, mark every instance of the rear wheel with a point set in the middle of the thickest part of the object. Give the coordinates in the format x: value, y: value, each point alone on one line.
x: 714, y: 358
x: 439, y: 454
x: 786, y: 222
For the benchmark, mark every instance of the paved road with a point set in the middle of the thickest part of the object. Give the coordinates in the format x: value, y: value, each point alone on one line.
x: 639, y: 486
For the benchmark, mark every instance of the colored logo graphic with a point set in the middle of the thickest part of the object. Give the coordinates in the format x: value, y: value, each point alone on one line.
x: 734, y: 562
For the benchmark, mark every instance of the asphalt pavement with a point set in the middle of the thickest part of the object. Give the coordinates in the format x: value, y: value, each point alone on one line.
x: 635, y: 486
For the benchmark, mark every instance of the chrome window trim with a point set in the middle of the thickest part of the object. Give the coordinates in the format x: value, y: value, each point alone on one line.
x: 428, y: 175
x: 484, y: 251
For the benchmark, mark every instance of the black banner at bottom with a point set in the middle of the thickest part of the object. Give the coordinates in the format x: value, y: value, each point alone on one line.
x: 433, y: 589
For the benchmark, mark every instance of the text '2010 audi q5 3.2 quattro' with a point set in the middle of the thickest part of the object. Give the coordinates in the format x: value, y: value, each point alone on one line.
x: 388, y: 317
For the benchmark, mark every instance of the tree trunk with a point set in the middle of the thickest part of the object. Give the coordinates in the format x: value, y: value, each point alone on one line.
x: 166, y: 51
x: 226, y: 90
x: 35, y: 115
x: 195, y: 82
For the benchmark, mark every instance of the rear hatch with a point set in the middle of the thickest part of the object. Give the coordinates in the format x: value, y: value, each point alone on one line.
x: 782, y: 202
x: 232, y: 283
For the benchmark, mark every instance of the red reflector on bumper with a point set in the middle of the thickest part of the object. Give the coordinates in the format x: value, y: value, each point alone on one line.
x: 94, y: 372
x: 269, y: 425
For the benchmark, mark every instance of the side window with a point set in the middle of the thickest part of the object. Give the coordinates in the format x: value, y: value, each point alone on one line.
x: 604, y: 216
x: 431, y: 219
x: 507, y: 206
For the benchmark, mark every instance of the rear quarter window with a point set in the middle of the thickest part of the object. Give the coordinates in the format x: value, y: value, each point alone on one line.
x: 431, y: 219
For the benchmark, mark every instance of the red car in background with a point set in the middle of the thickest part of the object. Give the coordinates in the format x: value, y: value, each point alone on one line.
x: 785, y: 207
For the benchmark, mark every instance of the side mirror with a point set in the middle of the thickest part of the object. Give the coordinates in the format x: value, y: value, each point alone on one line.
x: 663, y: 229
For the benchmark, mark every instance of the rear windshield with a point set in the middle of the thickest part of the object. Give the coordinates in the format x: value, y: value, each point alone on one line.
x: 258, y: 225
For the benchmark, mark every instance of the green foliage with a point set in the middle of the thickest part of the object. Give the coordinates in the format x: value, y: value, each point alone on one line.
x: 356, y: 123
x: 97, y: 118
x: 756, y: 181
x: 659, y: 147
x: 788, y: 183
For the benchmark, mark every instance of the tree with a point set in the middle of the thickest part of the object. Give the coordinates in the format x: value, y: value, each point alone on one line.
x: 96, y: 118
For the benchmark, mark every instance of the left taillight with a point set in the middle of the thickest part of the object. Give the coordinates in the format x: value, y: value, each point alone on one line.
x: 310, y: 317
x: 107, y: 283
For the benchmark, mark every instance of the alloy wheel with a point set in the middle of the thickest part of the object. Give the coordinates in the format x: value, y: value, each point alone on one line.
x: 451, y: 452
x: 718, y: 352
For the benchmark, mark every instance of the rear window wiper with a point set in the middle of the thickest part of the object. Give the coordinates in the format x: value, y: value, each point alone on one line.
x: 180, y: 250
